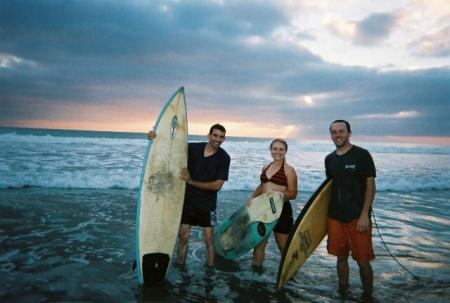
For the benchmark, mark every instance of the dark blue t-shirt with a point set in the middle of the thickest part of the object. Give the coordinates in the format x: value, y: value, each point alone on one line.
x: 205, y: 169
x: 349, y: 172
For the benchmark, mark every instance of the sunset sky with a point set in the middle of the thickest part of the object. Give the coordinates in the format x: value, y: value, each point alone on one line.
x: 261, y: 68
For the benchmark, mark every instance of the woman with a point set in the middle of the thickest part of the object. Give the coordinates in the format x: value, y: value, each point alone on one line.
x: 277, y: 176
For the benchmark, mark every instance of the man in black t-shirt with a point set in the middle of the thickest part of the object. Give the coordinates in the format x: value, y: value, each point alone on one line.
x: 208, y: 166
x: 207, y: 171
x: 349, y: 226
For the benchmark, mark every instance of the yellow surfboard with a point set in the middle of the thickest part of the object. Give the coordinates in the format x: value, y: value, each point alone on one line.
x: 161, y: 192
x: 309, y: 230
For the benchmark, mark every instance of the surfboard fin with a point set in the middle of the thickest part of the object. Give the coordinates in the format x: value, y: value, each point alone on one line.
x: 154, y: 268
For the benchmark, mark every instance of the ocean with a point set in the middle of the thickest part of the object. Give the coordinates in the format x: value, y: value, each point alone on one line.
x: 68, y: 211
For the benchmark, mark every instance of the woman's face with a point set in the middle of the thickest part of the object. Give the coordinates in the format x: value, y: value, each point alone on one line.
x: 278, y: 151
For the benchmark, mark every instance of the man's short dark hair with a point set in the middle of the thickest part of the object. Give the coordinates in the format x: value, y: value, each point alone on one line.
x: 347, y: 125
x: 217, y: 126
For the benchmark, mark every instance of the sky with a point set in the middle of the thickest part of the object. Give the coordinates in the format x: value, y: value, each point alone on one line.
x: 261, y: 68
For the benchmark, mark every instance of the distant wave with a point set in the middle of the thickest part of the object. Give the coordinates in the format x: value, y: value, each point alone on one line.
x: 102, y: 160
x: 105, y: 138
x: 132, y: 183
x: 49, y: 139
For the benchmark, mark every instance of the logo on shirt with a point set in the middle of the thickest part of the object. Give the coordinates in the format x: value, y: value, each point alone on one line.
x: 350, y: 166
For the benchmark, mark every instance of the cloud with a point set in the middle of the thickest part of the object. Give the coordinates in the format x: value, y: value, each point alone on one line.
x: 371, y: 30
x: 399, y: 115
x: 342, y: 29
x: 374, y: 28
x: 59, y: 57
x: 13, y: 62
x: 434, y: 44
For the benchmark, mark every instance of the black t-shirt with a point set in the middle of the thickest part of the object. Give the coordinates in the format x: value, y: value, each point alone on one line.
x: 205, y: 169
x: 349, y: 172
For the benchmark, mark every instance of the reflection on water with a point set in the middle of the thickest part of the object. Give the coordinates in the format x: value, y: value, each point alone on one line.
x: 79, y: 245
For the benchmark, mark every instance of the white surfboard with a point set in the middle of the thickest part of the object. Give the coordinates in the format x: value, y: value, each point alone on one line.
x: 161, y: 192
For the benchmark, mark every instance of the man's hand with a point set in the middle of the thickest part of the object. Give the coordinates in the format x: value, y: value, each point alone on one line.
x: 151, y: 135
x: 363, y: 224
x: 185, y: 175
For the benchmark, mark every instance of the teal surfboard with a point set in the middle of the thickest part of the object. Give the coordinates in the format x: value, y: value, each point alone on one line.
x: 248, y: 226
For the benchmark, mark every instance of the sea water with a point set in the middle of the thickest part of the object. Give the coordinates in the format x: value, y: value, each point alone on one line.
x: 68, y: 208
x: 103, y: 160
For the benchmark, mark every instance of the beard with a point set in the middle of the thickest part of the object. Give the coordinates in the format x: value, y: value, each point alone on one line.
x: 340, y: 143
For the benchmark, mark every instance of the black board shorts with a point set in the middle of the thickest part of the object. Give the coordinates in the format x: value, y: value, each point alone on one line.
x: 198, y: 217
x: 286, y: 221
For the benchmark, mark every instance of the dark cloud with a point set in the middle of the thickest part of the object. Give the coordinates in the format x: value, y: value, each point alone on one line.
x: 425, y: 92
x: 374, y: 28
x: 89, y: 52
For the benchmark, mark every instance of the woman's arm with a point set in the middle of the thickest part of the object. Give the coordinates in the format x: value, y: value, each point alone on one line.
x: 291, y: 190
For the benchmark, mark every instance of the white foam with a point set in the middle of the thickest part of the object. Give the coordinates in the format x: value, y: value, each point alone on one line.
x: 101, y: 163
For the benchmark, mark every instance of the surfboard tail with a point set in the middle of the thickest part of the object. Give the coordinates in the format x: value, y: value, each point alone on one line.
x: 154, y: 268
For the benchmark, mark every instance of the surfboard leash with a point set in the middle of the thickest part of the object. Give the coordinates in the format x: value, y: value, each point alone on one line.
x: 389, y: 251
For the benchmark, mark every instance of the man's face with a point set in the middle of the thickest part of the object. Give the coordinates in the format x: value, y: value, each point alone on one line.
x: 339, y: 134
x: 216, y: 138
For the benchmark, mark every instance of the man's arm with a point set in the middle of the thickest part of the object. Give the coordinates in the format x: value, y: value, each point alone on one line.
x: 369, y: 195
x: 209, y: 185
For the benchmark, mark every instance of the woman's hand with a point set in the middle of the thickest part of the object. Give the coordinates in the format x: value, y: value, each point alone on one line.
x: 249, y: 202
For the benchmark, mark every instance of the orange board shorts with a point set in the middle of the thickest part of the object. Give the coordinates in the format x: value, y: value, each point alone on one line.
x: 344, y: 238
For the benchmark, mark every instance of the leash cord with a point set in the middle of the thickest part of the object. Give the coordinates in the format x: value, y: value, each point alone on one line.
x: 388, y: 250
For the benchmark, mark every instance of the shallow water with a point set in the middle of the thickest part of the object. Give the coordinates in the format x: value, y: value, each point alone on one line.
x: 79, y: 244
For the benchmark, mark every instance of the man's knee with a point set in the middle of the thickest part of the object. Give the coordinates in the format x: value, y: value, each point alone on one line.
x: 183, y: 234
x: 209, y: 237
x: 342, y: 259
x: 364, y: 265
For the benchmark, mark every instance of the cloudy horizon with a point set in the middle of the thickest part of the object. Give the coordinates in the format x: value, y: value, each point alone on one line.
x: 262, y: 68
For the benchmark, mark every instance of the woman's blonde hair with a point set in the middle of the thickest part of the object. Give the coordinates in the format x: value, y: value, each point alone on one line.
x: 279, y: 140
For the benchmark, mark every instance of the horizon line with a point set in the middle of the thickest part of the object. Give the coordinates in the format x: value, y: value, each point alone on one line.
x: 420, y: 140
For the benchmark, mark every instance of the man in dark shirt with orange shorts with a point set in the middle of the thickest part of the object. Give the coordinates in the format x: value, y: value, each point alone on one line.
x: 349, y: 226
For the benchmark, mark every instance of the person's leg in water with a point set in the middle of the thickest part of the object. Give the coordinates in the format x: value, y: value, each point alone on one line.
x: 183, y: 239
